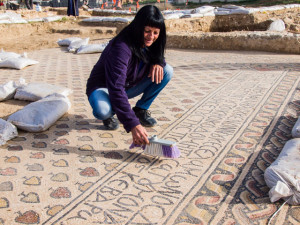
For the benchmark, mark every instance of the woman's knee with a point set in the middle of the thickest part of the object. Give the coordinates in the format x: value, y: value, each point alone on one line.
x: 168, y: 72
x: 102, y: 113
x: 100, y: 104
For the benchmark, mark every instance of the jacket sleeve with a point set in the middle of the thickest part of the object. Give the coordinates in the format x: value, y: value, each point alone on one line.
x: 116, y: 66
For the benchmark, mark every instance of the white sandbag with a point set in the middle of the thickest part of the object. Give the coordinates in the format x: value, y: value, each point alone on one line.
x: 187, y: 11
x: 35, y: 19
x: 296, y: 129
x: 52, y: 18
x: 8, y: 90
x: 76, y: 44
x: 5, y: 21
x: 283, y: 175
x: 67, y: 41
x: 17, y: 63
x: 6, y: 55
x: 232, y: 7
x: 7, y: 131
x: 239, y: 11
x: 173, y: 16
x: 292, y: 6
x: 275, y: 7
x: 168, y: 11
x: 222, y: 13
x: 4, y: 16
x: 11, y: 17
x: 222, y: 9
x: 186, y: 16
x: 194, y: 15
x: 123, y: 19
x: 94, y: 19
x: 36, y: 91
x: 203, y: 9
x: 108, y: 19
x: 18, y: 20
x: 211, y: 13
x: 253, y: 10
x: 277, y: 25
x: 91, y: 48
x: 40, y: 115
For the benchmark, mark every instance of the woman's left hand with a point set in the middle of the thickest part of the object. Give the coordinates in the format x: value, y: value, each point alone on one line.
x: 156, y: 73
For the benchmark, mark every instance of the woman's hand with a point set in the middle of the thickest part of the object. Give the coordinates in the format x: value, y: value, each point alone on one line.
x: 156, y: 73
x: 139, y: 135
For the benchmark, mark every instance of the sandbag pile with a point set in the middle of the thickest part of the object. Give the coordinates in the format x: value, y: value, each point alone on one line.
x: 14, y: 60
x: 48, y: 103
x: 283, y: 175
x: 221, y: 11
x: 81, y: 46
x: 11, y: 17
x: 124, y: 12
x: 108, y: 19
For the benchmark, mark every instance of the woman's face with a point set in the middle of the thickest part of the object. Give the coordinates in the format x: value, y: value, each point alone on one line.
x: 150, y: 35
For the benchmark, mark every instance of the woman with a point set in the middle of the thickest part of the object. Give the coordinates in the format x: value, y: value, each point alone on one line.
x: 131, y: 64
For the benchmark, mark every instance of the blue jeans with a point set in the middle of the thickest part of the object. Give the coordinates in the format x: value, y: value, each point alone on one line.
x: 99, y: 99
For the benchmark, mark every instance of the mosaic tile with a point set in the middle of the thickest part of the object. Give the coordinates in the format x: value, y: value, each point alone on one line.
x: 229, y: 112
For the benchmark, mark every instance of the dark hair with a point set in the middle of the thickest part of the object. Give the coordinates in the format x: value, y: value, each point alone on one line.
x: 148, y: 15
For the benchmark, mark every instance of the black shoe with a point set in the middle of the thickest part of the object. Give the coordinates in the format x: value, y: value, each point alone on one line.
x: 144, y: 116
x: 111, y: 123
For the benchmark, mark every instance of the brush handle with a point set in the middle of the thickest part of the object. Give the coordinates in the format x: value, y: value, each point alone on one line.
x: 155, y: 140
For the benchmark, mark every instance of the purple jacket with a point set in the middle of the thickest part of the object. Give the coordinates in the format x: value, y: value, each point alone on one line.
x: 117, y: 70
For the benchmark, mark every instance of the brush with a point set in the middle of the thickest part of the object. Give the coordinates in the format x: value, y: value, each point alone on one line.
x: 159, y: 147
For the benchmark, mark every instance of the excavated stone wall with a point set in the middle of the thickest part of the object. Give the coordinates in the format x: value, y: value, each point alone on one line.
x: 236, y: 22
x: 253, y: 41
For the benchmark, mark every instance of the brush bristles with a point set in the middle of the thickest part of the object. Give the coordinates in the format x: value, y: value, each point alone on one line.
x: 154, y: 149
x: 162, y: 150
x: 171, y: 151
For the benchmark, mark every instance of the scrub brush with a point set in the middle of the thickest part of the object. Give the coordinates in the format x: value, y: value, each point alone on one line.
x: 159, y: 147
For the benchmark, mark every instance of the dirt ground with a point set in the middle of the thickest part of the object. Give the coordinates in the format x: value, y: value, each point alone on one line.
x: 39, y: 35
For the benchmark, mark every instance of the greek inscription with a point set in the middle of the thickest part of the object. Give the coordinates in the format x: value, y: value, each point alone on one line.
x: 150, y: 214
x: 145, y: 185
x: 175, y: 181
x: 138, y: 196
x: 161, y: 200
x: 111, y: 191
x: 102, y: 198
x: 142, y: 161
x: 170, y: 192
x: 120, y: 209
x: 119, y: 184
x: 203, y: 153
x: 127, y: 201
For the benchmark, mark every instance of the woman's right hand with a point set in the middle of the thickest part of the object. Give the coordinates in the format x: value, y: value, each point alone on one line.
x: 139, y: 135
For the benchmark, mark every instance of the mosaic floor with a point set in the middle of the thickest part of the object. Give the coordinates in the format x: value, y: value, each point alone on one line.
x: 229, y: 112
